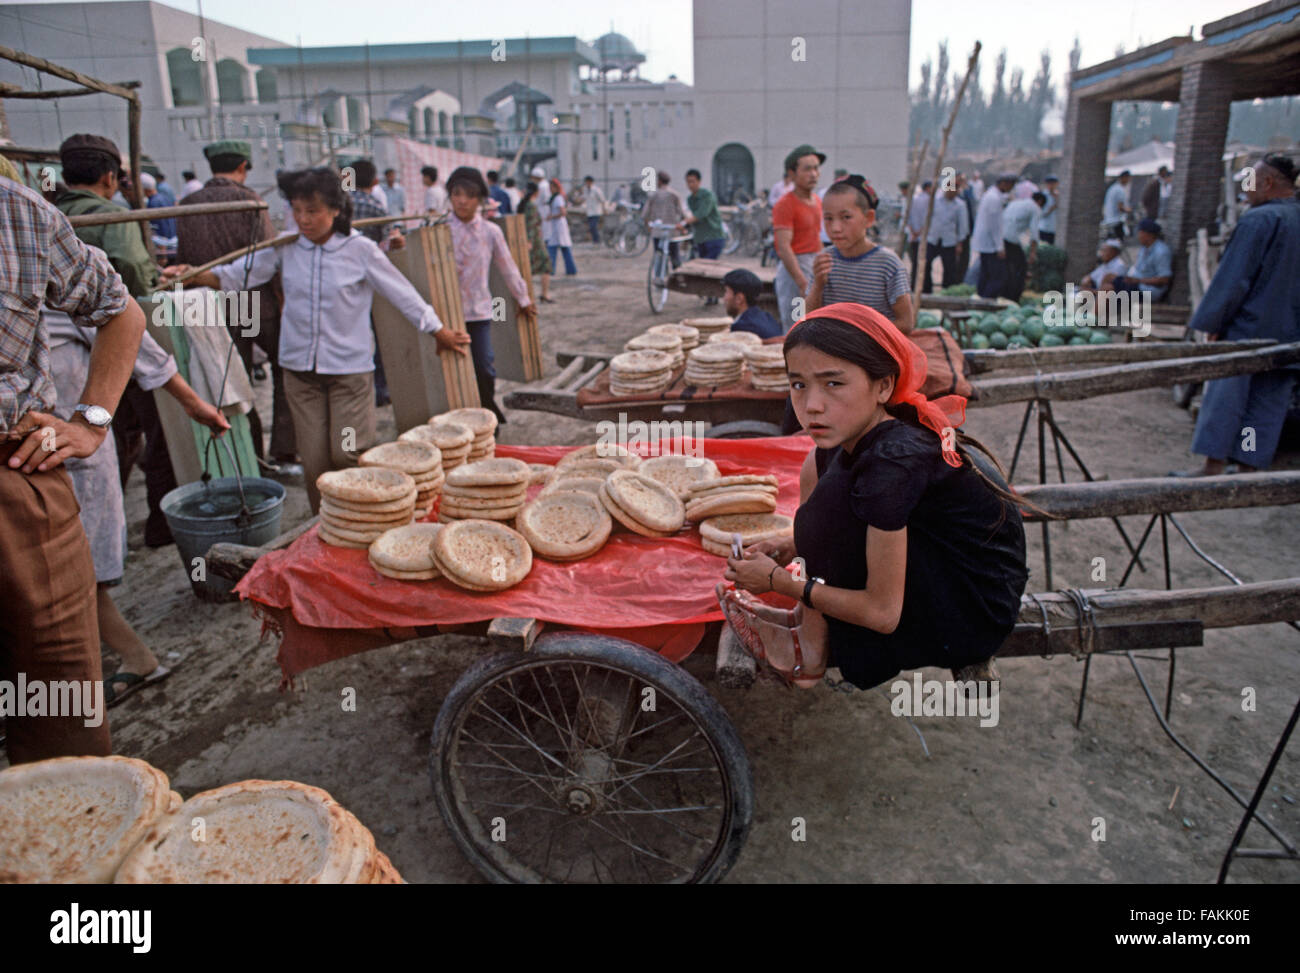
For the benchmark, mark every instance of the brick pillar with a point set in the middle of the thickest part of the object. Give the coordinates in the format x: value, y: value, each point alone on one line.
x: 1083, y: 182
x: 1204, y: 103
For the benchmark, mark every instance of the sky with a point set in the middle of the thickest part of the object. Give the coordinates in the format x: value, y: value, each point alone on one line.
x: 662, y: 29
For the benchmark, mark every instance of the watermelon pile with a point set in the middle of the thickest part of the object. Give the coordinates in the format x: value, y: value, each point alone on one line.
x: 958, y: 290
x: 1030, y: 325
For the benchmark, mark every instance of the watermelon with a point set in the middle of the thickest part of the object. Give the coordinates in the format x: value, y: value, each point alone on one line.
x: 1099, y: 336
x: 1025, y: 313
x: 1051, y: 341
x: 929, y: 319
x: 1018, y: 341
x: 979, y: 341
x: 1009, y: 326
x: 998, y: 340
x: 1078, y: 340
x: 988, y: 325
x: 1034, y: 330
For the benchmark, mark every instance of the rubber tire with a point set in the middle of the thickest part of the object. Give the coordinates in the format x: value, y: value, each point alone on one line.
x: 657, y: 294
x: 744, y: 429
x: 665, y: 676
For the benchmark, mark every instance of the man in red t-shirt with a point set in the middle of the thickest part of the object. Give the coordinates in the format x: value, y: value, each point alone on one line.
x: 796, y: 220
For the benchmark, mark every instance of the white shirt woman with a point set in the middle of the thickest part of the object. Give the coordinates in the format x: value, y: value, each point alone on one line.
x: 555, y: 232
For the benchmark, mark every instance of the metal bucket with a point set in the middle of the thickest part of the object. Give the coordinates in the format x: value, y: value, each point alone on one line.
x: 222, y: 510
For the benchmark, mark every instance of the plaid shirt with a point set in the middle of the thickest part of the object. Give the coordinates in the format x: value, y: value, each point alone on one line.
x: 42, y: 261
x: 364, y: 207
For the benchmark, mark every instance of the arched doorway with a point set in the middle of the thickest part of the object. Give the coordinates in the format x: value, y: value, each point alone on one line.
x: 733, y: 173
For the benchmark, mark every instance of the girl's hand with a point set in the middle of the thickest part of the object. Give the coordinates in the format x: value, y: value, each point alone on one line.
x: 174, y: 270
x: 780, y: 549
x: 822, y: 267
x: 528, y: 312
x: 751, y: 572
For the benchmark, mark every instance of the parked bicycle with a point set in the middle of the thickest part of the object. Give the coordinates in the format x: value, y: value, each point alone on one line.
x: 661, y: 266
x: 632, y: 236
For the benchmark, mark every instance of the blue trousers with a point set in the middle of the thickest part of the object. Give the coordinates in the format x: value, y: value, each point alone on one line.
x: 593, y: 224
x: 992, y: 275
x: 1233, y: 407
x: 480, y: 348
x: 570, y: 267
x: 710, y: 249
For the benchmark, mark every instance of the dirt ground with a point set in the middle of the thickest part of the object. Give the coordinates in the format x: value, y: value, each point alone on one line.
x: 1011, y: 803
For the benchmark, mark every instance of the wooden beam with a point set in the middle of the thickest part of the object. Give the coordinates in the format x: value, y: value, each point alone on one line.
x: 1163, y: 495
x: 165, y: 212
x: 1087, y: 383
x: 13, y: 91
x: 983, y: 361
x: 67, y: 74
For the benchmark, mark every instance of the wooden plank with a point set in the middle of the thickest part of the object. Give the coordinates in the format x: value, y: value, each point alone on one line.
x: 67, y: 74
x: 422, y: 380
x: 569, y: 370
x: 515, y: 634
x: 1087, y: 383
x: 164, y: 212
x: 233, y: 561
x: 983, y: 361
x: 586, y: 377
x: 1161, y: 495
x: 515, y: 341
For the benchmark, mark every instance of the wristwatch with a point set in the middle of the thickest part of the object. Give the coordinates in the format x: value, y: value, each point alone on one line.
x: 96, y: 415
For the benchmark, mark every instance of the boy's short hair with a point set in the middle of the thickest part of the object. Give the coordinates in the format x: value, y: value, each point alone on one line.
x: 365, y: 172
x: 745, y: 283
x: 663, y: 177
x: 387, y: 171
x: 693, y: 172
x: 862, y: 192
x: 430, y: 172
x: 188, y: 174
x: 510, y: 183
x: 491, y: 175
x: 468, y: 179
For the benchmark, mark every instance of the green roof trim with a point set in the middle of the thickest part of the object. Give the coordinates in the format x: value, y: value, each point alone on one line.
x: 291, y: 57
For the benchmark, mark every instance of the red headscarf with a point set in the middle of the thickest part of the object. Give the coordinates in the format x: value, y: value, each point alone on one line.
x: 940, y: 415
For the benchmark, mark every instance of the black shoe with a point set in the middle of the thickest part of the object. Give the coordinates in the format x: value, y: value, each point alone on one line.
x: 259, y: 373
x: 156, y: 532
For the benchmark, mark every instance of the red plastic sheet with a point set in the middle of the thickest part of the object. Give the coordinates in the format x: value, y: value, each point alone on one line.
x: 658, y: 592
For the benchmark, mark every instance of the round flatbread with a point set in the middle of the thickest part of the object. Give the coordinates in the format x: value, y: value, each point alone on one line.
x: 405, y: 548
x: 626, y: 519
x: 729, y: 491
x: 721, y: 550
x: 333, y: 540
x: 735, y: 337
x: 365, y: 484
x: 409, y: 457
x: 478, y: 420
x: 621, y: 455
x: 514, y: 501
x: 752, y: 528
x: 447, y: 514
x: 541, y: 473
x: 738, y: 479
x: 443, y: 433
x: 687, y: 335
x: 581, y: 484
x: 355, y: 534
x: 430, y: 575
x: 668, y: 343
x: 717, y: 353
x: 730, y: 503
x: 761, y: 354
x: 565, y: 525
x: 647, y: 500
x: 638, y: 362
x: 678, y: 472
x: 387, y: 507
x: 255, y: 831
x: 74, y: 819
x: 353, y: 520
x: 481, y: 553
x: 506, y: 490
x: 489, y: 472
x: 707, y: 325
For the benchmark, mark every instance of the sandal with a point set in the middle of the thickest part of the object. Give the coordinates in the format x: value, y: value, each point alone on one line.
x: 753, y: 642
x: 132, y: 683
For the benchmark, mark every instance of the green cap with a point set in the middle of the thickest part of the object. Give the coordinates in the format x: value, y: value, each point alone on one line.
x: 792, y: 160
x: 228, y: 147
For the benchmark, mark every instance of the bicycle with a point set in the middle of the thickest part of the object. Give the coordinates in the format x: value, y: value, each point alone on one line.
x: 661, y: 263
x: 632, y: 236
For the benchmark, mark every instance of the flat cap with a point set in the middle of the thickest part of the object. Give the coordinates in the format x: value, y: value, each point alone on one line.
x: 228, y: 147
x: 84, y: 144
x: 799, y: 151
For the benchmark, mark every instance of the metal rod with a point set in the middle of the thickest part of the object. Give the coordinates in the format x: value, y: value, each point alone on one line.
x: 1164, y: 544
x: 1256, y: 798
x: 1024, y: 424
x: 1196, y: 758
x: 1141, y: 544
x: 1042, y: 478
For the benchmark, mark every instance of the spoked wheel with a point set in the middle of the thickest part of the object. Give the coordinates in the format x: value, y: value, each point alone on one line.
x: 656, y: 284
x: 633, y: 240
x: 744, y: 429
x: 590, y: 759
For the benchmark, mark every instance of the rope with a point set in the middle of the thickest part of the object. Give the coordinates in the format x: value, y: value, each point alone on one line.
x: 1047, y: 625
x: 1083, y: 608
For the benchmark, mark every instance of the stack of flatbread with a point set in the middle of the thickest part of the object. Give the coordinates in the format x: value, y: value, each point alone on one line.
x: 679, y: 472
x: 360, y: 503
x: 452, y: 439
x: 641, y: 372
x: 689, y: 336
x: 565, y: 525
x: 259, y: 832
x: 641, y: 504
x: 421, y: 461
x: 715, y: 364
x: 482, y: 555
x: 481, y: 422
x: 746, y: 493
x: 406, y: 553
x: 540, y: 473
x: 716, y: 532
x: 670, y: 345
x: 767, y: 368
x: 735, y: 338
x: 707, y: 326
x: 487, y: 489
x: 74, y: 819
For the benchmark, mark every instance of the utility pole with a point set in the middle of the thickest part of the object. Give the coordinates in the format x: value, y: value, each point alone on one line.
x: 207, y: 83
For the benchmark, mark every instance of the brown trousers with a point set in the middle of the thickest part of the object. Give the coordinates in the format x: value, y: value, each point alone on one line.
x: 333, y: 421
x: 49, y: 627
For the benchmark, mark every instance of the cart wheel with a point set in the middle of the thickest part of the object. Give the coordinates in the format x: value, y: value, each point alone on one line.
x: 590, y: 759
x: 656, y: 283
x: 744, y: 429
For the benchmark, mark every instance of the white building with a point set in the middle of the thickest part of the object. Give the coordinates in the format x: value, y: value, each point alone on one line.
x: 769, y: 74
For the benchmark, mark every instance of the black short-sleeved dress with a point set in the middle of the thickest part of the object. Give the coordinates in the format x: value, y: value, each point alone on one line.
x: 965, y: 551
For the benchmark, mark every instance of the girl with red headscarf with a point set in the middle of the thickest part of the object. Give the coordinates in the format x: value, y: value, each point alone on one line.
x: 912, y: 550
